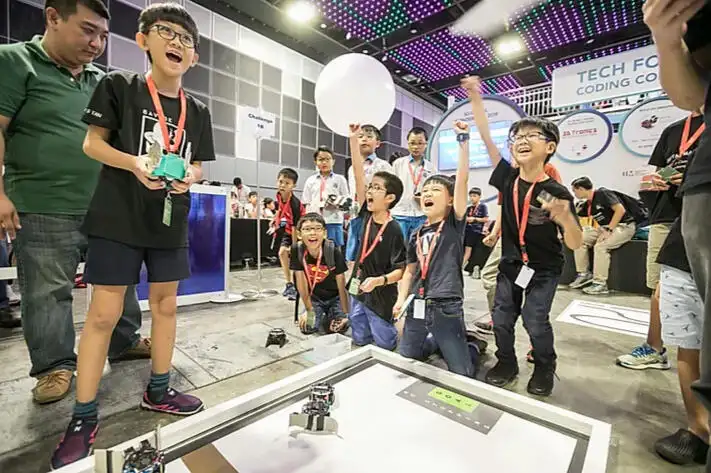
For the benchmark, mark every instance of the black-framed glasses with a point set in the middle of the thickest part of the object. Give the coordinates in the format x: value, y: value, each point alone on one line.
x: 169, y: 34
x: 532, y: 136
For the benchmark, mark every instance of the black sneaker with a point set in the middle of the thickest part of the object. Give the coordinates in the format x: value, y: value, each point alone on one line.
x: 682, y: 447
x: 76, y: 443
x: 9, y: 319
x: 541, y: 382
x: 502, y: 374
x: 290, y: 292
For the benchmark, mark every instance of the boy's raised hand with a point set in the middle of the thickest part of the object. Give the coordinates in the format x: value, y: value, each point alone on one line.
x: 461, y: 127
x: 354, y: 129
x: 472, y: 85
x: 558, y: 209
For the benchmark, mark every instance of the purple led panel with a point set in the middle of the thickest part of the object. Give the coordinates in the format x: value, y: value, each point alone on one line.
x: 494, y: 86
x: 372, y: 19
x: 598, y: 53
x: 442, y: 55
x: 553, y: 23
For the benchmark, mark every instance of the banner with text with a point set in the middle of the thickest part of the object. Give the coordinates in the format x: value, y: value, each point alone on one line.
x: 644, y: 124
x: 584, y: 136
x: 619, y: 75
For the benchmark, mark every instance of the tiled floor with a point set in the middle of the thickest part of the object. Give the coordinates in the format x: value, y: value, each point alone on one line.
x: 220, y: 354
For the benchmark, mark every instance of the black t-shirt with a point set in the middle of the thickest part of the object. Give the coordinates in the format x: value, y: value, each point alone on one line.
x: 326, y: 286
x: 122, y: 209
x: 667, y: 204
x: 545, y: 250
x: 390, y: 254
x: 601, y: 207
x: 673, y: 252
x: 444, y: 276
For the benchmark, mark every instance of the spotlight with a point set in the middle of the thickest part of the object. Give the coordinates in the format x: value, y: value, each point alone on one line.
x: 365, y: 51
x: 509, y: 46
x: 323, y: 26
x: 301, y: 11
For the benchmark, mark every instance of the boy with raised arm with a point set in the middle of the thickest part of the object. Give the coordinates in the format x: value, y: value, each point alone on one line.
x: 534, y: 208
x: 135, y: 218
x: 434, y: 270
x: 379, y: 256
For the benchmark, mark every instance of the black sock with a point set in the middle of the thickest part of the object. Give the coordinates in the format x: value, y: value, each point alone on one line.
x: 157, y: 386
x: 86, y: 410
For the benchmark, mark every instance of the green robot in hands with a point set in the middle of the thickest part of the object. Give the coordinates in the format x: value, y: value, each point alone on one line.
x: 168, y: 166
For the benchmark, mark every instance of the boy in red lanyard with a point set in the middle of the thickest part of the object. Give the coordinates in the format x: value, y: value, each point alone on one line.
x: 289, y: 211
x: 434, y: 271
x: 321, y: 283
x: 534, y: 209
x: 379, y: 256
x: 135, y: 218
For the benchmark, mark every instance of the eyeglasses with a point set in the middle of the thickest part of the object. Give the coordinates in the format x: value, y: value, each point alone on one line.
x: 528, y: 137
x: 376, y: 188
x: 314, y: 229
x: 169, y: 34
x: 323, y: 160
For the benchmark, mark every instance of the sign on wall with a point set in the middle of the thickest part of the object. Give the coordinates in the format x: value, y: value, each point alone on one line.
x: 257, y: 123
x: 584, y: 136
x: 619, y: 75
x: 642, y: 126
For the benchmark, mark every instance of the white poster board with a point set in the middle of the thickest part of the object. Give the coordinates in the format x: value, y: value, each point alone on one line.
x: 257, y: 123
x: 584, y: 135
x: 618, y: 75
x: 643, y: 125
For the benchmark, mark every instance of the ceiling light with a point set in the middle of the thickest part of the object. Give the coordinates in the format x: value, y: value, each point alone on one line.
x: 397, y: 71
x: 323, y: 26
x: 365, y: 51
x: 413, y: 30
x: 509, y: 46
x: 590, y: 41
x: 301, y: 11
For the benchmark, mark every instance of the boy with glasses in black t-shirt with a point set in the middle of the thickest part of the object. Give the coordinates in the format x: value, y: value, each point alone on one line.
x: 534, y: 209
x: 135, y: 218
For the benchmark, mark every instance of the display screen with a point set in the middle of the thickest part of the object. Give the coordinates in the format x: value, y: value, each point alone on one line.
x: 478, y: 157
x: 453, y: 399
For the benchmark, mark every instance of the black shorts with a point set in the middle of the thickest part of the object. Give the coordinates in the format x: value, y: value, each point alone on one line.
x: 111, y: 263
x: 472, y: 239
x: 282, y: 239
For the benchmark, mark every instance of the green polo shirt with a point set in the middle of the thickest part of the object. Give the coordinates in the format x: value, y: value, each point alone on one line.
x: 46, y: 171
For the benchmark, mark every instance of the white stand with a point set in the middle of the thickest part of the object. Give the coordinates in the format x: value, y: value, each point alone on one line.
x: 227, y: 297
x: 260, y: 293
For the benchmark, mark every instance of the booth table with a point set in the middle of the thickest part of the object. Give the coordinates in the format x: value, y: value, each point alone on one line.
x: 243, y: 240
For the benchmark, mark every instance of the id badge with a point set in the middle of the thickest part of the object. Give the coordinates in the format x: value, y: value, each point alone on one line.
x: 167, y: 210
x: 418, y: 310
x: 524, y: 277
x: 355, y: 286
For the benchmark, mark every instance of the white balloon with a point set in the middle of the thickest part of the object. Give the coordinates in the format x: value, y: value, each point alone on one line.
x: 354, y: 88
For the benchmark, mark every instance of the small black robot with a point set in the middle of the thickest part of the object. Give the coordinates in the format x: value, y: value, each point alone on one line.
x: 315, y: 415
x: 277, y: 336
x: 145, y: 459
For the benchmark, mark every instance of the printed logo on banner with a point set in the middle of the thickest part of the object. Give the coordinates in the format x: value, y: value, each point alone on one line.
x: 643, y: 125
x: 584, y: 135
x: 619, y: 75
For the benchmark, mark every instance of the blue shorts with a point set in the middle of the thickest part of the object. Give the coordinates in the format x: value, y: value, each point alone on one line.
x: 334, y: 232
x: 409, y: 225
x: 367, y: 327
x: 354, y: 229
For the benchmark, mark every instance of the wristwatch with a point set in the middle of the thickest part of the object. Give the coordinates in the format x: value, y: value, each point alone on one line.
x: 462, y: 137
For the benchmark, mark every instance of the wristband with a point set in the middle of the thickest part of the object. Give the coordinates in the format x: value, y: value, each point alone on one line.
x: 462, y: 137
x: 385, y: 280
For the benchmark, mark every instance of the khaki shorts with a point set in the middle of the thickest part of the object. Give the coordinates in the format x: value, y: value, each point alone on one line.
x: 657, y: 236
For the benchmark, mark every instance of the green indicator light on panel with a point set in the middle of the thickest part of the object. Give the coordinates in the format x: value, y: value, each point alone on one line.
x: 453, y: 399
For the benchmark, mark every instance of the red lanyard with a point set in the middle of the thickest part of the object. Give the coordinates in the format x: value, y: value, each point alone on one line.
x: 365, y: 252
x: 522, y: 217
x: 425, y: 262
x: 590, y: 208
x: 416, y: 180
x: 174, y: 145
x: 311, y: 277
x: 473, y: 210
x: 687, y: 142
x: 323, y: 186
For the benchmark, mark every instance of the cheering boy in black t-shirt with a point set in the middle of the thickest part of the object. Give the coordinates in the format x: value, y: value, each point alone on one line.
x: 380, y: 255
x: 289, y: 211
x: 434, y: 270
x: 135, y: 218
x: 321, y: 283
x: 534, y: 208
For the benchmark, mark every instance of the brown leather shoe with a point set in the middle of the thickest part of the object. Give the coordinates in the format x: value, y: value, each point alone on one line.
x: 141, y: 351
x: 53, y: 386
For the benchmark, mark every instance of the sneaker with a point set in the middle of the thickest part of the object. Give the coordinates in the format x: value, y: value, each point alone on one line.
x: 13, y: 297
x: 581, y: 281
x: 52, y: 387
x: 290, y: 292
x: 596, y: 289
x: 502, y: 374
x: 9, y: 319
x: 476, y: 273
x: 484, y: 328
x: 644, y: 357
x: 473, y: 338
x: 76, y: 443
x: 682, y: 448
x: 174, y: 402
x: 541, y: 382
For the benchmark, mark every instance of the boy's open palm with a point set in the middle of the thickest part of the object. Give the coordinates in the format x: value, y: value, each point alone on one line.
x: 558, y: 209
x: 354, y: 129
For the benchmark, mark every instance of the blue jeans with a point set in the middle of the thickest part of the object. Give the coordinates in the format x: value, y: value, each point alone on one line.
x: 48, y: 251
x: 509, y: 303
x: 334, y: 232
x: 444, y: 319
x: 354, y: 228
x: 326, y: 312
x: 4, y: 263
x: 409, y: 225
x: 367, y: 327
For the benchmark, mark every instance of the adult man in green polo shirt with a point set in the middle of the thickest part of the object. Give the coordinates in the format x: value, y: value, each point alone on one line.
x: 45, y: 85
